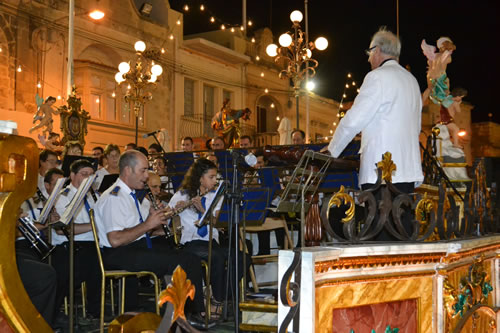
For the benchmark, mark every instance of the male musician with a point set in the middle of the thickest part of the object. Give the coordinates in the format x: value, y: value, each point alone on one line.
x: 48, y: 160
x: 246, y: 142
x: 187, y: 143
x: 124, y: 227
x: 298, y: 137
x: 217, y: 143
x: 85, y: 257
x: 387, y: 111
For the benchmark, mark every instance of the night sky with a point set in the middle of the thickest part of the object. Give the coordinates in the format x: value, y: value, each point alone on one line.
x: 348, y: 25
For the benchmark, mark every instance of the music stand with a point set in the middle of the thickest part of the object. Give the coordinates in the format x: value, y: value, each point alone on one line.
x: 69, y: 159
x: 178, y: 164
x: 107, y: 181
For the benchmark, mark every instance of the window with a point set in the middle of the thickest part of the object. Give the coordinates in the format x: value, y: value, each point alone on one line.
x: 188, y: 97
x: 208, y: 109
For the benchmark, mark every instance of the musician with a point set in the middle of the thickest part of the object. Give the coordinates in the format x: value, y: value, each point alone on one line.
x: 298, y: 137
x: 111, y: 154
x: 124, y: 227
x: 154, y: 184
x: 387, y: 111
x: 98, y: 154
x: 246, y: 141
x: 187, y: 143
x: 33, y: 206
x: 217, y: 143
x: 86, y: 262
x: 39, y: 279
x: 48, y: 160
x: 197, y: 193
x: 154, y: 149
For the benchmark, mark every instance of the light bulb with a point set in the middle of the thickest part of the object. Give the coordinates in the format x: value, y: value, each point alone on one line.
x: 124, y: 67
x: 296, y: 16
x: 152, y: 79
x: 257, y: 58
x: 119, y: 77
x: 308, y: 54
x: 253, y: 39
x: 271, y: 50
x: 266, y: 90
x: 285, y: 40
x: 113, y: 94
x: 96, y: 14
x: 261, y: 74
x: 321, y: 43
x: 156, y: 70
x: 310, y: 85
x: 140, y: 46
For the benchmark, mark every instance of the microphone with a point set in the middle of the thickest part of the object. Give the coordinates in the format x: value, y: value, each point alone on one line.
x: 147, y: 135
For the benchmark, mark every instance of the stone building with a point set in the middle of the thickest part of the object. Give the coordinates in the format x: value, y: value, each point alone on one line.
x: 199, y: 71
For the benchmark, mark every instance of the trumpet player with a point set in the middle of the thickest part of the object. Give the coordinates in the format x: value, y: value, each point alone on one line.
x: 86, y: 264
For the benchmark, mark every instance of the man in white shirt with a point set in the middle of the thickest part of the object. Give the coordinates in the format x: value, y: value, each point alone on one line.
x: 125, y: 228
x: 387, y: 112
x: 85, y: 256
x: 48, y: 160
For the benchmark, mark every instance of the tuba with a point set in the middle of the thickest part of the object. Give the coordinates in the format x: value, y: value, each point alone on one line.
x: 32, y: 235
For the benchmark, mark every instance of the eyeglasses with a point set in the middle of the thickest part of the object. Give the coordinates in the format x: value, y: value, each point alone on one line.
x: 369, y: 51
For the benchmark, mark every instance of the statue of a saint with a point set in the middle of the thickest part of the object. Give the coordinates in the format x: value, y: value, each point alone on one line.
x: 44, y: 115
x: 226, y: 122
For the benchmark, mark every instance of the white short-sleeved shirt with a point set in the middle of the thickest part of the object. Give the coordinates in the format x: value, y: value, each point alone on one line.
x: 190, y: 215
x: 81, y: 216
x: 32, y: 209
x: 116, y: 210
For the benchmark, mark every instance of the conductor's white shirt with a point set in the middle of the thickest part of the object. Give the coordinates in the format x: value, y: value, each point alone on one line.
x: 387, y: 112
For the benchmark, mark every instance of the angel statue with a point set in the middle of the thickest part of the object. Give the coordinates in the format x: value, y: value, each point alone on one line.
x: 438, y: 90
x: 226, y: 122
x: 44, y: 115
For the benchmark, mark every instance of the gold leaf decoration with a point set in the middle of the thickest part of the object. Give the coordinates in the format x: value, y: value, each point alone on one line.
x: 177, y: 293
x: 336, y: 200
x: 387, y: 166
x: 423, y: 209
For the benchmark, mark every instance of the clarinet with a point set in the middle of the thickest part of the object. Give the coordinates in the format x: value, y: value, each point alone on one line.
x: 151, y: 198
x: 32, y: 235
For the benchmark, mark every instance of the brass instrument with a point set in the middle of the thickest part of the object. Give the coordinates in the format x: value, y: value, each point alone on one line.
x: 32, y: 235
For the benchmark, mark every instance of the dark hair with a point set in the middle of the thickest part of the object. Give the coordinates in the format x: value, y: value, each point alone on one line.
x: 128, y: 159
x: 458, y: 91
x: 99, y: 148
x: 300, y: 131
x: 110, y: 148
x: 246, y: 137
x: 80, y: 164
x: 187, y: 138
x: 131, y: 144
x: 191, y: 182
x: 142, y: 150
x: 50, y: 98
x: 44, y: 154
x: 50, y: 173
x: 260, y: 152
x: 156, y: 147
x: 219, y: 138
x: 207, y: 144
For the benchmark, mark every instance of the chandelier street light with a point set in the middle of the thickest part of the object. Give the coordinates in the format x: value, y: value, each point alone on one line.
x: 295, y: 51
x: 141, y: 76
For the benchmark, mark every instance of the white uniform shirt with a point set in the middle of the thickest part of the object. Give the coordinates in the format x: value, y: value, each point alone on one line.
x: 190, y: 215
x: 41, y: 186
x: 116, y: 210
x: 81, y: 216
x: 387, y: 112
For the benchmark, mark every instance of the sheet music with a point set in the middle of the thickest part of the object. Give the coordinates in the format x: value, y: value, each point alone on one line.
x: 77, y: 200
x: 220, y: 190
x: 51, y: 201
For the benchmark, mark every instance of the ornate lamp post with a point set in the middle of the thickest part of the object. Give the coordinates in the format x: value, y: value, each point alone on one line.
x: 296, y: 52
x: 141, y: 77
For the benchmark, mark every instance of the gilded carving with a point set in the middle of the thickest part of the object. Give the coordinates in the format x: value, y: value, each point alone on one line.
x: 387, y: 166
x: 337, y: 199
x: 73, y: 120
x: 177, y: 293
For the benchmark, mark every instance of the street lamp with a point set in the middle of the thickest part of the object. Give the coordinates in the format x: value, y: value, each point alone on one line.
x: 141, y: 77
x: 296, y: 52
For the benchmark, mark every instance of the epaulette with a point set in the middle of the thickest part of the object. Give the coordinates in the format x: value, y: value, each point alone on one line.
x: 65, y: 191
x: 115, y: 190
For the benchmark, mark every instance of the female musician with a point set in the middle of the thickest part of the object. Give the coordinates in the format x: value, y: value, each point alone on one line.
x: 197, y: 191
x: 112, y: 156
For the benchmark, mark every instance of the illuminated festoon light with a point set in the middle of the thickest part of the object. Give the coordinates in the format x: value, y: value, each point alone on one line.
x: 266, y: 90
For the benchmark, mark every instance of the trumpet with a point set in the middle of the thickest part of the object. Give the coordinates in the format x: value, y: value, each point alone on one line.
x: 32, y: 235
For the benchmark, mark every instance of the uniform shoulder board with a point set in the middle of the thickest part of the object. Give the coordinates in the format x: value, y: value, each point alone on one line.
x: 115, y: 190
x: 65, y: 191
